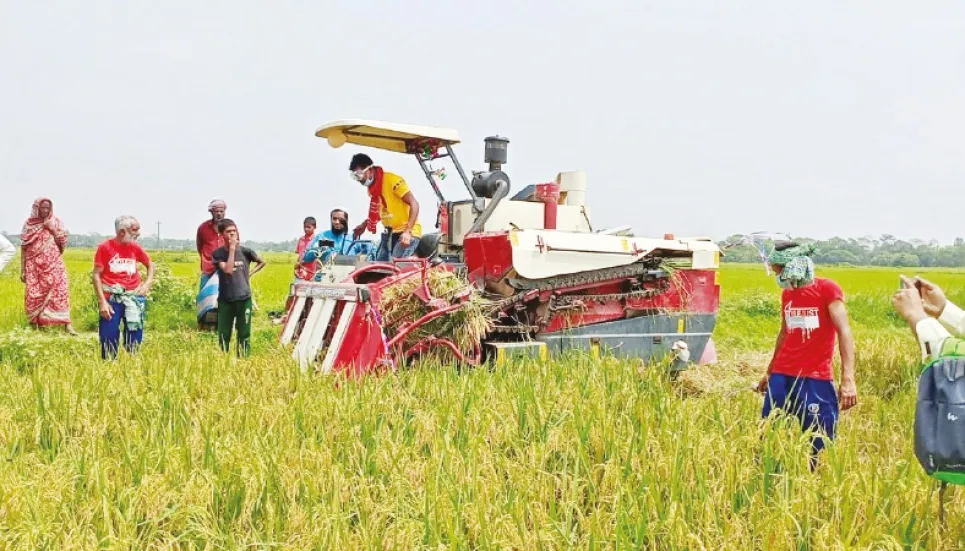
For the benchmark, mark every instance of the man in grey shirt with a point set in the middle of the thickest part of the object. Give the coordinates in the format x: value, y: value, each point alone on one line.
x: 234, y: 287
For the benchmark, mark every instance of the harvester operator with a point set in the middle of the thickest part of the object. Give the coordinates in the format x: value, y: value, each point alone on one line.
x: 392, y: 203
x: 340, y: 243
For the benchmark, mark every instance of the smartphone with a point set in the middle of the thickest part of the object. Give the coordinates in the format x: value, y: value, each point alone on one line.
x: 903, y: 285
x: 901, y: 282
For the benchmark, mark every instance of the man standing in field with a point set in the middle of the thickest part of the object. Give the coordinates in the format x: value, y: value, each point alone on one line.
x: 800, y: 379
x: 234, y: 295
x: 120, y: 293
x: 208, y: 239
x: 390, y: 202
x: 7, y: 252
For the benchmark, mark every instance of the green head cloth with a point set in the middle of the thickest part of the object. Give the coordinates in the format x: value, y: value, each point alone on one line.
x: 798, y: 268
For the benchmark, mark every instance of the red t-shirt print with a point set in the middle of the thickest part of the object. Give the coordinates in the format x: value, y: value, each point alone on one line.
x: 119, y: 262
x: 808, y: 347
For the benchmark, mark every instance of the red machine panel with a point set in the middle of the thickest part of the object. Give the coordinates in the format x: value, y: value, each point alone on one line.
x: 489, y: 256
x: 690, y: 291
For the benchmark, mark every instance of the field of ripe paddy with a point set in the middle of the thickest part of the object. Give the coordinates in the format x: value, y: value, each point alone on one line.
x: 183, y: 447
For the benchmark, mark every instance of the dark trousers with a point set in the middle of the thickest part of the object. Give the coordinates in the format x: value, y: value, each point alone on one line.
x: 110, y: 332
x: 390, y: 247
x: 235, y: 313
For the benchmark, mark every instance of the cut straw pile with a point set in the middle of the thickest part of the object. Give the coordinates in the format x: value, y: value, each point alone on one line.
x: 465, y: 327
x: 733, y: 374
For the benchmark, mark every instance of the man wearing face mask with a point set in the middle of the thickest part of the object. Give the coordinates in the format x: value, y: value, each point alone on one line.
x: 800, y: 379
x: 338, y: 235
x: 393, y: 204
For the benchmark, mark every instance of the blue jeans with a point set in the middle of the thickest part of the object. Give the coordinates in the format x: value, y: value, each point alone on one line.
x: 390, y: 241
x: 110, y: 332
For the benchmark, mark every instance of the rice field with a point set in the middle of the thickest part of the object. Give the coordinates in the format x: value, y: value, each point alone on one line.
x: 183, y: 447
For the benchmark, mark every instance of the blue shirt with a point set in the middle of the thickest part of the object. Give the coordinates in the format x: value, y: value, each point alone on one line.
x: 343, y: 246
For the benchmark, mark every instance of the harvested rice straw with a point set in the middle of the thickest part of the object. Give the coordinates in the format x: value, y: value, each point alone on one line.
x: 465, y: 327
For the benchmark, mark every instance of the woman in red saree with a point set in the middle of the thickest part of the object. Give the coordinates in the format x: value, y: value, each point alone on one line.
x: 42, y: 242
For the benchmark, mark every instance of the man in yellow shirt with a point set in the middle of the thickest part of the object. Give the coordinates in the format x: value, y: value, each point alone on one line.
x: 391, y: 203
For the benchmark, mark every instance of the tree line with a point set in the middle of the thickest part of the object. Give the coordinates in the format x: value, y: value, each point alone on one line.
x: 886, y: 250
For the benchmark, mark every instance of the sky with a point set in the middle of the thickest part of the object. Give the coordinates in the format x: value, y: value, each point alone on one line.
x: 692, y: 117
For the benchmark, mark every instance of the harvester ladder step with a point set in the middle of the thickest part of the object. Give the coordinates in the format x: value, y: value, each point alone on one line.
x: 346, y: 316
x: 316, y: 325
x: 293, y: 319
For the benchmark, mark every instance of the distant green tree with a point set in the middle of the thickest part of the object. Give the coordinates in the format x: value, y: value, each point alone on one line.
x: 886, y: 250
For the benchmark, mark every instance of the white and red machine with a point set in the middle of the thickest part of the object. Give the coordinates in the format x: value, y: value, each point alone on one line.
x: 557, y: 282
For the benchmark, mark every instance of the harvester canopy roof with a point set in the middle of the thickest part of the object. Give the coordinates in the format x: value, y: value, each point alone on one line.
x: 400, y: 138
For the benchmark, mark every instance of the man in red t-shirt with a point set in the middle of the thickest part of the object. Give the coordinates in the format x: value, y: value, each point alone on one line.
x: 120, y: 292
x: 208, y: 239
x: 800, y: 379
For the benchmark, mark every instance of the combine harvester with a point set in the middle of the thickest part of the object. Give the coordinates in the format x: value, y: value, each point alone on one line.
x: 555, y: 283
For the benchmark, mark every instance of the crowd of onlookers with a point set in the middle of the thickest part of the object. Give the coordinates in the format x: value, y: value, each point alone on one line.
x: 225, y: 264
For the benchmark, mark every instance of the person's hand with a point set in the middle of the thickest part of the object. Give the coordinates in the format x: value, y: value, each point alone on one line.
x: 932, y: 298
x: 405, y: 238
x: 49, y: 224
x: 762, y: 386
x: 233, y: 243
x: 143, y: 290
x: 23, y: 277
x: 907, y: 302
x: 358, y: 231
x: 847, y: 394
x: 106, y: 311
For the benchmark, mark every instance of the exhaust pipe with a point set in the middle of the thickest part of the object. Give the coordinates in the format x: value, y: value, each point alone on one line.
x: 493, y: 184
x: 497, y: 184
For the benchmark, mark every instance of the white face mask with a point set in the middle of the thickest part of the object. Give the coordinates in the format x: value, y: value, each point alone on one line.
x: 359, y: 176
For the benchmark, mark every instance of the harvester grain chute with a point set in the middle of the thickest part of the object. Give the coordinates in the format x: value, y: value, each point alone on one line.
x: 551, y: 282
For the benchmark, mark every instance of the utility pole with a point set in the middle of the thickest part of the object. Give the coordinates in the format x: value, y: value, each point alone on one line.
x: 159, y: 235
